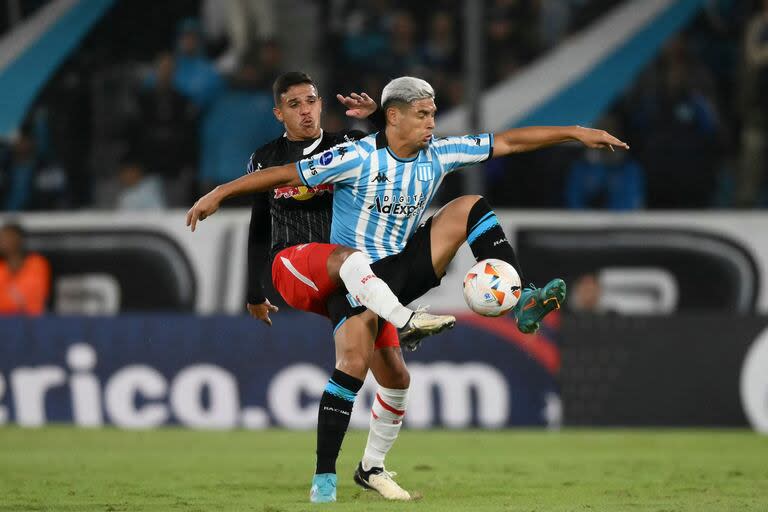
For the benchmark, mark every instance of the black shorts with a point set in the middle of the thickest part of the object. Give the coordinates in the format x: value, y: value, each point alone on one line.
x: 409, y: 274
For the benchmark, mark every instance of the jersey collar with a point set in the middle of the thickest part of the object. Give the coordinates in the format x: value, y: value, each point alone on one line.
x: 381, y: 140
x: 312, y: 147
x: 381, y: 143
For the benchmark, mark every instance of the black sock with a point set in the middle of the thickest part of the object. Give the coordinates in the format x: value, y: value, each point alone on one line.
x: 333, y: 418
x: 486, y: 238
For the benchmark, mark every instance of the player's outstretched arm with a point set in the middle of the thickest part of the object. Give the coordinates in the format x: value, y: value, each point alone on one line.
x: 267, y: 179
x: 519, y: 140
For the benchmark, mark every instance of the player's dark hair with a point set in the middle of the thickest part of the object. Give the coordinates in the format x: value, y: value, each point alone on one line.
x: 288, y: 80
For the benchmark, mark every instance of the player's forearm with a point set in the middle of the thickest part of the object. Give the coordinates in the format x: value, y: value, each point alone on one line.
x: 261, y: 181
x: 519, y: 140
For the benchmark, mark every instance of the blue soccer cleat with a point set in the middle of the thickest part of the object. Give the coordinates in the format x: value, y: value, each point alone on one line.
x: 536, y: 303
x: 323, y: 488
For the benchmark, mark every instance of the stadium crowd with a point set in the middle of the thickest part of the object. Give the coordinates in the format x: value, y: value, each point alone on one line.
x: 152, y: 110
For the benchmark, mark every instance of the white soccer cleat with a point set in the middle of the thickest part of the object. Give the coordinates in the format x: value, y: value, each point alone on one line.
x: 381, y: 481
x: 421, y: 325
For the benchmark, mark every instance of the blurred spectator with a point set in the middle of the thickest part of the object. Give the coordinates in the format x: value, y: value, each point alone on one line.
x: 441, y: 49
x: 194, y: 75
x: 402, y: 56
x: 606, y: 179
x: 511, y: 36
x: 679, y: 128
x: 269, y: 64
x: 17, y: 173
x: 554, y: 21
x: 238, y: 122
x: 63, y: 130
x: 440, y: 59
x: 165, y: 133
x: 244, y: 23
x: 25, y: 278
x: 718, y: 39
x: 755, y: 108
x: 366, y: 33
x: 25, y: 182
x: 585, y: 295
x: 139, y: 190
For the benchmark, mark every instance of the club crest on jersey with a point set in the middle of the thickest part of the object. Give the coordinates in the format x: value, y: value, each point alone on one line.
x: 425, y: 172
x: 326, y: 158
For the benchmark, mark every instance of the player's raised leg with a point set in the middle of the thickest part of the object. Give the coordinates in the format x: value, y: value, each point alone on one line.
x: 471, y: 218
x: 353, y: 269
x: 387, y: 412
x: 354, y: 348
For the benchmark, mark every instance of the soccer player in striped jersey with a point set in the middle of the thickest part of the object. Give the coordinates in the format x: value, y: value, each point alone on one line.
x: 306, y: 268
x: 383, y: 185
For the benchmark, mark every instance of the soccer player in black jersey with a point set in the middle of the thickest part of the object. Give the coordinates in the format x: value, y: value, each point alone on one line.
x: 300, y: 232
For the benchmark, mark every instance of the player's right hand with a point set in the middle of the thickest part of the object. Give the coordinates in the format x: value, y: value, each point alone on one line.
x: 204, y: 207
x: 358, y: 106
x: 262, y: 311
x: 599, y: 139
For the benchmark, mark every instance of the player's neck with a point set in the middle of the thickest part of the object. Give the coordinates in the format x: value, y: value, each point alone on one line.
x: 400, y: 147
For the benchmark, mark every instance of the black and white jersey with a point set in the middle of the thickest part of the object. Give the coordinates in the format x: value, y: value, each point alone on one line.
x: 300, y: 214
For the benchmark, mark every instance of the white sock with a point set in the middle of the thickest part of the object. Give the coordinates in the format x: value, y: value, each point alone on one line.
x: 371, y: 291
x: 386, y: 419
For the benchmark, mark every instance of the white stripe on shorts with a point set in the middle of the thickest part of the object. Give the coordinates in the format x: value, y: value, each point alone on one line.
x: 304, y: 279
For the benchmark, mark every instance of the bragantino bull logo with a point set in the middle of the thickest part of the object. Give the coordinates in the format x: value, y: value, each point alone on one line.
x: 302, y: 193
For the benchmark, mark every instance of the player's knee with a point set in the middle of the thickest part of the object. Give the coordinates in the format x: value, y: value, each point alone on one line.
x: 343, y: 252
x: 450, y: 223
x: 337, y: 259
x: 464, y: 204
x: 354, y: 364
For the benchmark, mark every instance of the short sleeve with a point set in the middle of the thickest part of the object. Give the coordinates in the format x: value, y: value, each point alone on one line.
x: 336, y: 165
x: 456, y: 152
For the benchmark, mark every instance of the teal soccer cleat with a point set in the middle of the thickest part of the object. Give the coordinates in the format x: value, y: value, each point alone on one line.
x: 536, y: 303
x: 323, y: 488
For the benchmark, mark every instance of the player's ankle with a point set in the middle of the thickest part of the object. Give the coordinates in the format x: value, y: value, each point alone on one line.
x: 400, y: 316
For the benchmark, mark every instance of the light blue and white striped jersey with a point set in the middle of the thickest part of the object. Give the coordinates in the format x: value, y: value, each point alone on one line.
x: 379, y: 199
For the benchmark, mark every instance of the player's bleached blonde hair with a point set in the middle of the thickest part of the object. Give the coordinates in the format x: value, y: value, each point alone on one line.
x: 406, y: 89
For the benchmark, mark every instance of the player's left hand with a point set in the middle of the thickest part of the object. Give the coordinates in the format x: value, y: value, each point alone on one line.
x: 262, y: 311
x: 203, y: 208
x: 598, y: 139
x: 358, y: 106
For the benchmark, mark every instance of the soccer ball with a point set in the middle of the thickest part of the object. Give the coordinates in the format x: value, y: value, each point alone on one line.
x: 491, y: 287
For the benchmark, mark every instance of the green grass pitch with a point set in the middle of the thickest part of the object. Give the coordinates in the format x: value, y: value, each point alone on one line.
x: 66, y: 469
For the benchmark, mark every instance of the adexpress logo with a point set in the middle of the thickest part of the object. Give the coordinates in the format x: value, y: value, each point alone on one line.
x: 406, y: 206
